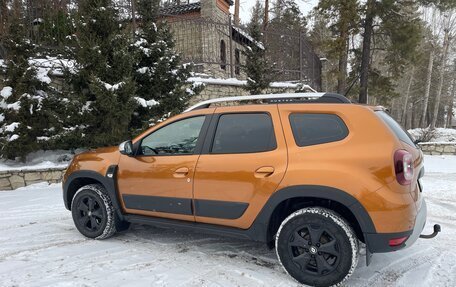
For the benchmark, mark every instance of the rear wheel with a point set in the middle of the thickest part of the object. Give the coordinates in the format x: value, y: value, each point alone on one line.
x: 93, y: 213
x: 317, y: 247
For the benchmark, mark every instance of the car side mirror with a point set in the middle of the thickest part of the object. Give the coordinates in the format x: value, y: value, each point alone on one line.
x: 126, y: 148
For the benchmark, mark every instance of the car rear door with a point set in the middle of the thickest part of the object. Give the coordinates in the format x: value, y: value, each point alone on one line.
x: 244, y: 158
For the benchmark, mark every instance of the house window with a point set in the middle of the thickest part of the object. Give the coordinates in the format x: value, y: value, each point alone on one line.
x: 223, y: 54
x: 237, y: 59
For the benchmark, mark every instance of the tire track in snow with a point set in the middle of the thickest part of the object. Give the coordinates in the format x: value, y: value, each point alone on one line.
x: 33, y: 250
x: 388, y: 275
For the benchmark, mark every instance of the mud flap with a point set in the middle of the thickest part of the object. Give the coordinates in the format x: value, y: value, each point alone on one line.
x: 368, y: 256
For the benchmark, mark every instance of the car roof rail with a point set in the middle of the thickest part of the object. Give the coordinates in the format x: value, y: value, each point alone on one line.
x: 328, y: 98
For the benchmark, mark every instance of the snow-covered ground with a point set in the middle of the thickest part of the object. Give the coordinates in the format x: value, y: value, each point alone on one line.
x: 39, y: 246
x: 440, y: 135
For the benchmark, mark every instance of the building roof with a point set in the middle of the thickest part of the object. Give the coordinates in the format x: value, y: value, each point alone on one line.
x: 185, y: 8
x: 181, y: 9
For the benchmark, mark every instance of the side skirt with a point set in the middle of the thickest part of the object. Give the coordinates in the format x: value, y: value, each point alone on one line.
x: 196, y: 226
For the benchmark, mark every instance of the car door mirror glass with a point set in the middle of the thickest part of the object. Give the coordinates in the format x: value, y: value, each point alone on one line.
x: 126, y: 148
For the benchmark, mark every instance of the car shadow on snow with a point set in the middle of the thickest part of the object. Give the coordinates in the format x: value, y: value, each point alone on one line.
x: 384, y: 267
x: 185, y: 241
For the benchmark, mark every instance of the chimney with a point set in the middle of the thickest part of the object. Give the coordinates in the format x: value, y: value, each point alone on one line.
x: 216, y: 10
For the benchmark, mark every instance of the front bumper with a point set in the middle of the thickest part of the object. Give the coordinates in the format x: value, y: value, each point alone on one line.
x: 379, y: 242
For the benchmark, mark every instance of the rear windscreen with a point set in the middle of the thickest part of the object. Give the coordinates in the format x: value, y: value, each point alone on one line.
x: 397, y: 129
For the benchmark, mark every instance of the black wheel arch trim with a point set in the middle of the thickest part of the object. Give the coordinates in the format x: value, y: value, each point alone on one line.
x: 108, y: 181
x: 314, y: 191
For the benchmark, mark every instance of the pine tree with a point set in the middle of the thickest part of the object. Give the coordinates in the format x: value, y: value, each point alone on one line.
x: 257, y: 67
x: 343, y: 18
x: 160, y: 77
x: 285, y: 39
x: 321, y: 36
x: 29, y: 108
x: 398, y: 24
x: 288, y: 16
x: 102, y: 85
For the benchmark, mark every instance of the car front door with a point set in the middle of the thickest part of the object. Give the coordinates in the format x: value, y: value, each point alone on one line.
x: 243, y: 160
x: 158, y: 181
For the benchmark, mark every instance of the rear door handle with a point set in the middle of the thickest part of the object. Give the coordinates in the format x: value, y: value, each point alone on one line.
x: 181, y: 172
x: 264, y: 171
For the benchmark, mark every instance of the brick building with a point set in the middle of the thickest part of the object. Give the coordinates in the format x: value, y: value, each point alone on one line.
x: 204, y: 35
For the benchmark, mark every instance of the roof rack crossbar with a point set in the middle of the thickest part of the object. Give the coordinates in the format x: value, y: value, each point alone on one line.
x: 312, y: 97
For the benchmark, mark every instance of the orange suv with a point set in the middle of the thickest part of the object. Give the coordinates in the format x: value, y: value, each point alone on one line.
x: 311, y: 174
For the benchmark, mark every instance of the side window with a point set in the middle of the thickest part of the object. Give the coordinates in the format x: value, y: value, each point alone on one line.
x: 313, y: 129
x: 223, y: 54
x: 237, y: 61
x: 178, y: 138
x: 244, y: 133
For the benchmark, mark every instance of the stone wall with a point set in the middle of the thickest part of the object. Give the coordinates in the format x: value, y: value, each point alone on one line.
x: 438, y: 148
x: 13, y: 179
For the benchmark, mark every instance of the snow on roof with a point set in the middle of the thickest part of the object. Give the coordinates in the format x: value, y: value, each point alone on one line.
x: 248, y: 37
x: 242, y: 83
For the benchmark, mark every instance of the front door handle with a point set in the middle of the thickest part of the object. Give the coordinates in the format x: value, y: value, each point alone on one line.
x: 264, y: 171
x: 181, y: 172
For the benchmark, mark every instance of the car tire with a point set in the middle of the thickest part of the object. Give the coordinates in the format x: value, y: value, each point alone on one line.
x: 317, y: 247
x: 93, y: 213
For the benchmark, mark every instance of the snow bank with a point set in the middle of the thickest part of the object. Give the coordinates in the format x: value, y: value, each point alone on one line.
x: 42, y: 165
x: 441, y: 135
x: 41, y: 160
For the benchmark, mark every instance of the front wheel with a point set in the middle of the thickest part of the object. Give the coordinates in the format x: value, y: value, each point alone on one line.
x: 93, y: 213
x: 317, y: 247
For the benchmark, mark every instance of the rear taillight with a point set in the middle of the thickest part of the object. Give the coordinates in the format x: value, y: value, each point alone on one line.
x: 403, y: 164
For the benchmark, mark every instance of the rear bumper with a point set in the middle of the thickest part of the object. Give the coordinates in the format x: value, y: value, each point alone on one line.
x: 379, y: 242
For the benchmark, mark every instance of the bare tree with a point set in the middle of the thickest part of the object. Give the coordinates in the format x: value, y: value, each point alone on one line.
x: 407, y: 95
x: 428, y: 87
x: 449, y: 31
x: 452, y: 99
x: 366, y: 51
x: 266, y: 14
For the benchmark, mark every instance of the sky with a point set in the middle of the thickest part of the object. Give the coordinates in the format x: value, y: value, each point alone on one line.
x: 246, y: 6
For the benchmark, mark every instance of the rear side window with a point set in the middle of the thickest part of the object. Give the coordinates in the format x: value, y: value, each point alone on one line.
x: 244, y: 133
x: 396, y: 128
x: 313, y: 129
